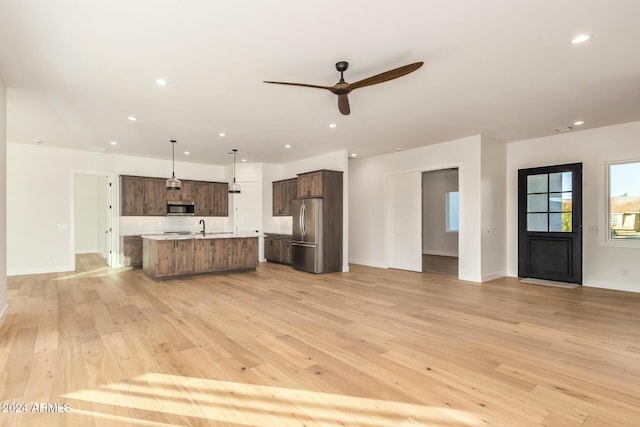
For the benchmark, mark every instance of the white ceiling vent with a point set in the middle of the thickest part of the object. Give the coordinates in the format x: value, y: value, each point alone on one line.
x: 563, y: 129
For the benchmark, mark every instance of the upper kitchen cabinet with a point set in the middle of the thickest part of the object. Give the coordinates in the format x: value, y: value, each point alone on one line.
x: 142, y: 196
x: 202, y: 198
x: 184, y: 193
x: 211, y: 198
x: 318, y: 183
x: 220, y: 199
x: 283, y: 194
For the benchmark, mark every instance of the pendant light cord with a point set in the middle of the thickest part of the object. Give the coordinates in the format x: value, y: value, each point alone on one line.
x: 173, y: 159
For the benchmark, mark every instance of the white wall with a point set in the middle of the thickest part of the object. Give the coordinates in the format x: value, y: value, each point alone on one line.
x: 603, y: 265
x: 40, y: 183
x: 3, y: 200
x: 367, y: 222
x: 435, y: 238
x: 86, y: 213
x: 494, y: 205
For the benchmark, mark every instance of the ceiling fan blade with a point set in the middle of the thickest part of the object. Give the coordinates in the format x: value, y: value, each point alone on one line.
x: 387, y: 75
x: 301, y: 84
x: 343, y: 104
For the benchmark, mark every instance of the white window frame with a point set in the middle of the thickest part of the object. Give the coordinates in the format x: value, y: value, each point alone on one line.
x: 447, y: 223
x: 608, y: 241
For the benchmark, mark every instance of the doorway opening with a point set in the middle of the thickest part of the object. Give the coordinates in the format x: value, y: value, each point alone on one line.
x: 92, y: 220
x: 440, y: 222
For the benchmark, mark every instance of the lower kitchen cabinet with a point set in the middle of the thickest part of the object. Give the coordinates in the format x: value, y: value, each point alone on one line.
x: 244, y: 253
x: 165, y: 258
x: 277, y: 248
x: 131, y: 255
x: 174, y: 257
x: 203, y: 255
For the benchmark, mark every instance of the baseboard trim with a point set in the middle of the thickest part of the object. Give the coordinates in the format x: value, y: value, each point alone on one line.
x: 440, y: 253
x: 41, y: 270
x: 613, y: 286
x: 490, y: 277
x: 366, y: 263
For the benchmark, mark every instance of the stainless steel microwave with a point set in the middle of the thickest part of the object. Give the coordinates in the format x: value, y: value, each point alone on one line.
x: 180, y: 208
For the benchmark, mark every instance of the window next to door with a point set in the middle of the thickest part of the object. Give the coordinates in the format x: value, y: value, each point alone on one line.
x: 452, y: 211
x: 623, y: 188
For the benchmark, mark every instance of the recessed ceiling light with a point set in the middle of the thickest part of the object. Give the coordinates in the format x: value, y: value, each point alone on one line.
x: 287, y: 146
x: 399, y: 149
x: 133, y: 119
x: 222, y: 134
x: 578, y: 122
x: 113, y: 143
x: 38, y: 141
x: 161, y: 82
x: 244, y: 160
x: 354, y: 155
x: 187, y: 153
x: 580, y: 38
x: 332, y: 125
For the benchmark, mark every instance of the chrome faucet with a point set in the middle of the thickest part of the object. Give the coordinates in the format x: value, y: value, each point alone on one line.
x: 203, y: 226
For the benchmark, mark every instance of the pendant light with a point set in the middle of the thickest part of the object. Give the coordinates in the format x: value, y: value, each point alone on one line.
x: 173, y: 183
x: 234, y: 188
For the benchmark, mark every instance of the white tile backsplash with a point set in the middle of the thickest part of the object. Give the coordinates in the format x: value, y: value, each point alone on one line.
x: 134, y: 225
x: 279, y: 225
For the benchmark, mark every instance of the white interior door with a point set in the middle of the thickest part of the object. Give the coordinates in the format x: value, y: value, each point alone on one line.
x: 247, y: 207
x: 405, y: 221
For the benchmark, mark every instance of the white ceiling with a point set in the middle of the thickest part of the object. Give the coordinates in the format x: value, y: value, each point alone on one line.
x: 75, y: 69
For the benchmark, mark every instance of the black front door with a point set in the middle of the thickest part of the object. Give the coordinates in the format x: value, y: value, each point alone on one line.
x: 550, y: 223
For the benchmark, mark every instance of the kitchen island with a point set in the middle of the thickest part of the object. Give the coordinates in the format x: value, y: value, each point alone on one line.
x: 180, y: 255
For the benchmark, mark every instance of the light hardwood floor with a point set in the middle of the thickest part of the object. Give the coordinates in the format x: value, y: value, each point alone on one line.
x: 278, y: 347
x: 446, y: 265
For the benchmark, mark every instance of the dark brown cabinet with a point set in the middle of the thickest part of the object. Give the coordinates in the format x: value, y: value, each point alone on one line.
x: 142, y: 196
x: 186, y: 257
x: 277, y: 248
x: 131, y: 251
x: 211, y: 198
x: 132, y: 195
x: 244, y: 253
x: 284, y: 192
x: 203, y: 255
x: 155, y: 199
x: 202, y: 198
x: 174, y: 257
x: 145, y: 196
x: 311, y: 184
x: 184, y: 193
x: 219, y: 199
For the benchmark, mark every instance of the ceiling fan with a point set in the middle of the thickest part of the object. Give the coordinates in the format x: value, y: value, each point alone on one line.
x: 343, y: 88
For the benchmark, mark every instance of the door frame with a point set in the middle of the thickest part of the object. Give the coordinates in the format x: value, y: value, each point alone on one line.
x: 112, y: 246
x: 576, y: 266
x: 387, y: 206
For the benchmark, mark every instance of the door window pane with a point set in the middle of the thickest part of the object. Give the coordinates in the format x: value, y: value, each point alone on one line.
x: 537, y: 203
x: 560, y: 222
x: 560, y: 202
x: 537, y: 183
x: 624, y: 201
x: 537, y: 222
x: 560, y: 181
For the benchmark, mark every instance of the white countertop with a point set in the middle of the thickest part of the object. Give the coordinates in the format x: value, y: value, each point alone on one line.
x: 213, y: 235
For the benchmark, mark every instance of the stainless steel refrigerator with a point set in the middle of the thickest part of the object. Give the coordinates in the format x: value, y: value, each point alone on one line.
x: 307, y: 245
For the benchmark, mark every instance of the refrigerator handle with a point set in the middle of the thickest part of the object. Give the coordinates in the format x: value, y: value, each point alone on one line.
x: 304, y: 221
x: 300, y: 221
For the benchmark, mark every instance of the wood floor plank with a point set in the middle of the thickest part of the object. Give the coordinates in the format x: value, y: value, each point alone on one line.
x: 280, y: 347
